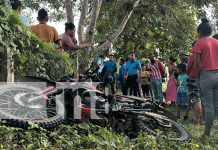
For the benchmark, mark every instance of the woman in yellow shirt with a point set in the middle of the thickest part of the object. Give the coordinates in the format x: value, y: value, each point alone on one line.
x: 144, y: 82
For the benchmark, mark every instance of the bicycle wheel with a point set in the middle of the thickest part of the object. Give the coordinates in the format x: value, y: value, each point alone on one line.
x: 154, y: 123
x: 17, y: 110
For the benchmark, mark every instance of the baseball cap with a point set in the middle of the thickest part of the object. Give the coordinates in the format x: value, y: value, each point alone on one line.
x: 181, y: 52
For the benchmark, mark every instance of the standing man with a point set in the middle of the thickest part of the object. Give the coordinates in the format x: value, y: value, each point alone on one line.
x: 66, y: 39
x: 183, y: 57
x: 121, y: 74
x: 110, y: 67
x: 132, y: 75
x: 48, y: 33
x: 155, y: 78
x: 17, y: 6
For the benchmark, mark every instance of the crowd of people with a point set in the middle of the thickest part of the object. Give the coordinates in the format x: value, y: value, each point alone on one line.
x: 192, y: 81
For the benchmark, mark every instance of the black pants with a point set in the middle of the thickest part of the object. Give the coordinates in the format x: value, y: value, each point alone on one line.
x: 112, y: 87
x: 145, y: 90
x: 138, y: 91
x: 132, y: 83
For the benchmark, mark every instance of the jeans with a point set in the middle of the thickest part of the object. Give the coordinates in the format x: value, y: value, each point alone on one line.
x: 209, y: 92
x: 156, y: 86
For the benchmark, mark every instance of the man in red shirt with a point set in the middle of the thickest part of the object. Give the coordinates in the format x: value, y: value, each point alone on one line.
x: 193, y: 89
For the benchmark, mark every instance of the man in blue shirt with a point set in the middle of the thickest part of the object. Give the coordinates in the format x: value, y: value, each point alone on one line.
x: 132, y: 75
x: 110, y: 67
x: 121, y: 74
x: 17, y: 6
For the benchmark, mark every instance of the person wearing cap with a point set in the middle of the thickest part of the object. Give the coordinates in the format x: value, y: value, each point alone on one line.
x: 17, y: 6
x: 110, y: 68
x: 132, y: 75
x: 183, y: 57
x: 48, y: 33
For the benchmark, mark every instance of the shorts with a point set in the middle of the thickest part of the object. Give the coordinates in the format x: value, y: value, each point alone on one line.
x: 181, y: 98
x: 193, y: 91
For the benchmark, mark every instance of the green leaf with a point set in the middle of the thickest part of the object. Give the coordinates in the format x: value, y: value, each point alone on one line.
x: 13, y: 45
x: 1, y: 29
x: 5, y: 27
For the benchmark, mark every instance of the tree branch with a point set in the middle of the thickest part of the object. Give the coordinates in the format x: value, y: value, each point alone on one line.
x: 96, y: 6
x: 119, y: 30
x: 80, y: 30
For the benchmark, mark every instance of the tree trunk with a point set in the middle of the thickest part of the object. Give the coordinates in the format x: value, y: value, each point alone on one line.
x: 80, y: 30
x: 69, y: 10
x: 7, y: 64
x: 119, y: 30
x: 7, y: 67
x: 96, y: 6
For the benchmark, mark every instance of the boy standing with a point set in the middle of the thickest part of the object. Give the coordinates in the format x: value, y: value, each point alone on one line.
x: 182, y: 91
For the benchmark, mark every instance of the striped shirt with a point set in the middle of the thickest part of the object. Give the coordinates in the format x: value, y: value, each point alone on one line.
x: 155, y: 71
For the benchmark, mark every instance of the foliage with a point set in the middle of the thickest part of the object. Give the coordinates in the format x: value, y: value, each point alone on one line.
x: 156, y: 24
x: 32, y: 56
x: 88, y: 136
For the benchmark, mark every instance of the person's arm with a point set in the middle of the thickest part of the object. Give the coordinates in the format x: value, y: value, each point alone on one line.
x: 148, y: 67
x: 189, y: 66
x: 197, y: 64
x: 125, y: 74
x: 148, y: 74
x: 140, y: 71
x: 67, y: 41
x: 60, y: 45
x: 139, y: 77
x: 115, y: 68
x: 176, y: 81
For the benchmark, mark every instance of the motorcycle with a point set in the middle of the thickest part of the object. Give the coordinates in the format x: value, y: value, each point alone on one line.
x: 66, y: 98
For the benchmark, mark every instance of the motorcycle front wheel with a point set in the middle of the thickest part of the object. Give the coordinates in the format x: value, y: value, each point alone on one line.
x: 17, y: 111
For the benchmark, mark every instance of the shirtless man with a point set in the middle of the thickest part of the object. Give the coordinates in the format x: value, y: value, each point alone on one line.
x: 66, y: 38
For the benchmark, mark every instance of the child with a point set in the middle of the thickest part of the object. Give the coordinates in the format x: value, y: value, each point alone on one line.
x: 182, y: 91
x: 145, y: 82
